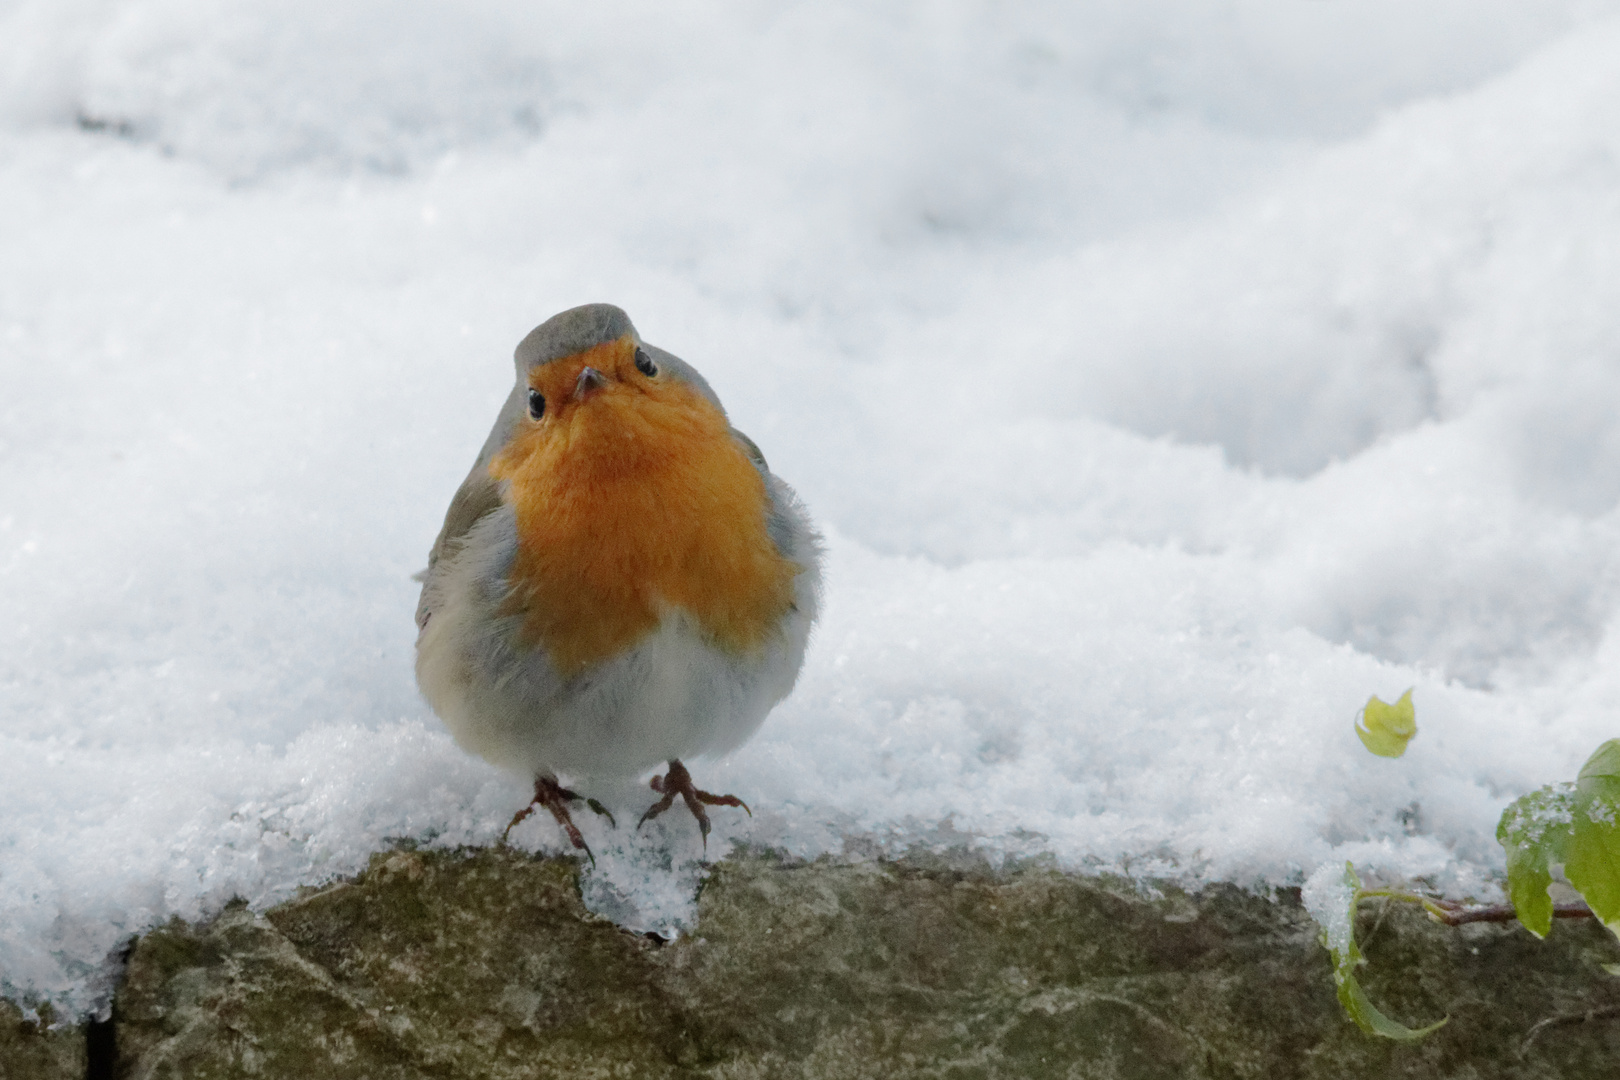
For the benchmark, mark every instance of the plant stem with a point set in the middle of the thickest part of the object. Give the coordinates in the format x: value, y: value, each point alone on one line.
x: 1453, y: 913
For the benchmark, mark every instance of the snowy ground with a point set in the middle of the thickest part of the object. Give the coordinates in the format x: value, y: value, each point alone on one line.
x: 1167, y: 375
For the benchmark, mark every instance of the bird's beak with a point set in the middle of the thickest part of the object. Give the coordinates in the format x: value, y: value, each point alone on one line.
x: 590, y: 380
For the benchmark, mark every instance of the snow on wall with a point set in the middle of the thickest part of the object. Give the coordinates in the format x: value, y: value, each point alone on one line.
x: 1167, y: 376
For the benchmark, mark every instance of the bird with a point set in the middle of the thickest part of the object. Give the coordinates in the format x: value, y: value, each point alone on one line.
x: 621, y: 582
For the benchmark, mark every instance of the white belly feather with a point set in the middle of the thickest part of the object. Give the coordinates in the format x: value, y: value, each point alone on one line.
x: 672, y: 695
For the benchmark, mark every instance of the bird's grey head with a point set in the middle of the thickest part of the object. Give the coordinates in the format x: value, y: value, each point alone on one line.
x: 571, y: 332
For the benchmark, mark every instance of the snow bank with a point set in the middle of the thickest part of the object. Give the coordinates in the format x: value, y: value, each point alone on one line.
x: 1168, y: 377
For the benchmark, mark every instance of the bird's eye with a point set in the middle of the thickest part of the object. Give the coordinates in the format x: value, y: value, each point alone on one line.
x: 537, y: 404
x: 644, y: 364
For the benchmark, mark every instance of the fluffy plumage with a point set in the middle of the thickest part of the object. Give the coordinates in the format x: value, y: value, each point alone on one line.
x: 621, y: 582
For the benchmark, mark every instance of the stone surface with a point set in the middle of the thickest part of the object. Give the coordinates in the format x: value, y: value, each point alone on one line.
x: 486, y: 964
x: 31, y: 1050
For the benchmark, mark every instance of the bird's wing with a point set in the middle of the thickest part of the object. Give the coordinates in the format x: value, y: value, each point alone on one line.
x: 786, y: 519
x: 753, y: 450
x: 478, y: 495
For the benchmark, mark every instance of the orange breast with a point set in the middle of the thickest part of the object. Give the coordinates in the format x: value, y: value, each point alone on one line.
x: 630, y: 504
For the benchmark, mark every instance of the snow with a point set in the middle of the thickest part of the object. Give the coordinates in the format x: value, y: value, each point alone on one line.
x: 1168, y: 377
x: 1330, y: 898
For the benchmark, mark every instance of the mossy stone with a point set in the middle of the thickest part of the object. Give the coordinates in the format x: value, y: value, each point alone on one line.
x: 485, y: 963
x: 31, y: 1049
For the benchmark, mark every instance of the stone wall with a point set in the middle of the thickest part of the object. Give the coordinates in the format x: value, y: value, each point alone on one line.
x: 485, y: 964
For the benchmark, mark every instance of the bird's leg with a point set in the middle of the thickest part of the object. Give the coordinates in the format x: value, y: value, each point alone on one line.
x: 677, y: 781
x: 555, y: 798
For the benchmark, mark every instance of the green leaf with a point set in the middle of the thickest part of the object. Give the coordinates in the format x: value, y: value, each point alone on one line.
x: 1373, y: 1022
x: 1604, y: 762
x: 1592, y: 862
x: 1386, y: 729
x: 1339, y: 936
x: 1535, y: 832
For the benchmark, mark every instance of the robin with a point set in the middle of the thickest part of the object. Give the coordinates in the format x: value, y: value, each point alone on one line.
x: 621, y: 581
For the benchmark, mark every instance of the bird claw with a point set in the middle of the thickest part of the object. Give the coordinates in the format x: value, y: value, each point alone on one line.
x: 677, y: 781
x: 602, y: 811
x: 555, y: 798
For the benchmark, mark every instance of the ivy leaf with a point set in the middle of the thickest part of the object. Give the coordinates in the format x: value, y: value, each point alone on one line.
x: 1592, y: 862
x: 1386, y: 729
x: 1535, y: 833
x: 1373, y: 1022
x: 1338, y: 934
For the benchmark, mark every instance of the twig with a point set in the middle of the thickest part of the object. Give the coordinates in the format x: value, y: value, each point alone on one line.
x: 1454, y: 914
x: 1566, y: 1018
x: 1377, y: 925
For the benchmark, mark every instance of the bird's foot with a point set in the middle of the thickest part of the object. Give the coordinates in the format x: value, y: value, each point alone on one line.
x: 677, y: 781
x: 555, y: 798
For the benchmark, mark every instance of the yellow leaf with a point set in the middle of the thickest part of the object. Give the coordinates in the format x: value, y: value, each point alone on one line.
x: 1386, y: 729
